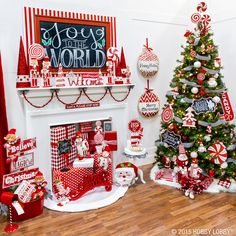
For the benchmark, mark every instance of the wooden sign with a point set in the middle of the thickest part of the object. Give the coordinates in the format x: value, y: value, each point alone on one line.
x: 84, y: 105
x: 24, y: 146
x: 204, y: 105
x: 16, y: 178
x: 64, y: 146
x: 79, y: 45
x: 134, y: 126
x: 171, y: 138
x: 22, y: 162
x: 228, y: 110
x: 149, y: 104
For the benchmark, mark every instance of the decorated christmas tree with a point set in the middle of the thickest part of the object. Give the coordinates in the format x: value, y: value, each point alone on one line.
x: 198, y: 114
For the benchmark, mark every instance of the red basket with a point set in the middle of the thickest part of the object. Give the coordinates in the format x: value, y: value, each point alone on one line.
x: 31, y: 209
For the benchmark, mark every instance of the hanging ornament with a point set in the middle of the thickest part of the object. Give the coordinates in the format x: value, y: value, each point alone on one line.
x: 212, y: 83
x: 202, y: 48
x: 211, y: 173
x: 210, y: 48
x: 217, y: 62
x: 202, y: 7
x: 167, y: 114
x: 148, y: 62
x: 218, y: 152
x: 224, y: 165
x: 216, y: 99
x: 149, y: 104
x: 195, y: 18
x: 207, y: 138
x: 193, y: 54
x: 216, y: 75
x: 197, y: 64
x: 201, y: 148
x: 193, y: 154
x: 194, y: 90
x: 184, y: 88
x: 189, y: 120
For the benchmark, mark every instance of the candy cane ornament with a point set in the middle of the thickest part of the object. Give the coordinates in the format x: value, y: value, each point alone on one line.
x: 36, y: 51
x: 202, y: 7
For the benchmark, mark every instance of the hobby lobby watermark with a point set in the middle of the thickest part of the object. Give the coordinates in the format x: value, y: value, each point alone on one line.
x: 225, y: 231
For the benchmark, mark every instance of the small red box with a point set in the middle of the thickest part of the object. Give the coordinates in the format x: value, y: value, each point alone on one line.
x: 110, y: 139
x: 31, y: 209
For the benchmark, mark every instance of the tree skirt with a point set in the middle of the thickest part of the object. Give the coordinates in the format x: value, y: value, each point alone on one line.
x: 213, y: 188
x: 94, y: 199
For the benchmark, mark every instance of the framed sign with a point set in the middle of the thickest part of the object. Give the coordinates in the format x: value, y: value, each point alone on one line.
x: 64, y: 146
x: 22, y: 162
x: 78, y: 41
x: 171, y: 138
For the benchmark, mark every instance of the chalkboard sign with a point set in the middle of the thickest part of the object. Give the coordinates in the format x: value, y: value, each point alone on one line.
x: 171, y: 138
x: 204, y: 105
x: 76, y: 44
x: 64, y: 146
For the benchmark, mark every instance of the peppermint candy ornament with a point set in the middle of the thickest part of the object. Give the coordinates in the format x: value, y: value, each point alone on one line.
x: 36, y: 51
x: 218, y: 153
x: 193, y: 54
x: 202, y: 7
x: 167, y: 114
x: 206, y: 19
x: 196, y: 17
x: 113, y: 54
x: 148, y: 63
x: 149, y: 104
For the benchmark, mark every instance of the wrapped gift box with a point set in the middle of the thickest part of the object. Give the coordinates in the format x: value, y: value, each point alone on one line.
x: 110, y: 139
x: 72, y: 178
x: 61, y: 133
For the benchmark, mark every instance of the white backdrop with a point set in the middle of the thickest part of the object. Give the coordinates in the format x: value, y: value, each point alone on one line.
x: 163, y: 22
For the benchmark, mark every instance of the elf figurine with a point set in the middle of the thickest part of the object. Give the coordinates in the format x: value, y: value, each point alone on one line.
x: 104, y: 158
x: 61, y: 192
x: 12, y: 141
x: 81, y: 145
x: 40, y: 184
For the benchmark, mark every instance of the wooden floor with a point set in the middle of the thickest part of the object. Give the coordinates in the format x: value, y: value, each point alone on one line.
x: 147, y: 209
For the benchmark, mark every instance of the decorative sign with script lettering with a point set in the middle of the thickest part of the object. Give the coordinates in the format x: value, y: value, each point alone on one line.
x: 16, y: 178
x: 24, y: 146
x: 204, y: 105
x: 76, y: 41
x: 171, y: 138
x: 64, y: 146
x: 149, y: 104
x: 22, y: 162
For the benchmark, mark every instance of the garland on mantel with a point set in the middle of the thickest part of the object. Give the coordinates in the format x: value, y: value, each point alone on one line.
x: 107, y: 89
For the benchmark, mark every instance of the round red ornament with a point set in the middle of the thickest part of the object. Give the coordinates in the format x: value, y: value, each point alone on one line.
x: 211, y: 173
x: 149, y: 104
x: 148, y: 63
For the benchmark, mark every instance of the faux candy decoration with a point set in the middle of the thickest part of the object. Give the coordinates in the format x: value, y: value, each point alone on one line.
x: 218, y: 153
x: 202, y: 7
x: 206, y: 19
x: 134, y: 126
x: 149, y: 104
x: 167, y: 114
x: 195, y: 18
x: 36, y: 51
x: 148, y: 63
x: 127, y: 174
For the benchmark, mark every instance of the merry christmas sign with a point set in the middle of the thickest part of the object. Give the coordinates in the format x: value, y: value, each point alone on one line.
x: 171, y: 138
x: 149, y: 104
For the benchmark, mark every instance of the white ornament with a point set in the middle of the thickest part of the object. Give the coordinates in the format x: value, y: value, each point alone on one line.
x: 224, y: 165
x: 216, y: 99
x: 216, y: 75
x: 207, y: 138
x: 193, y: 154
x: 212, y: 83
x: 201, y: 148
x: 194, y: 90
x: 197, y: 64
x: 182, y: 100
